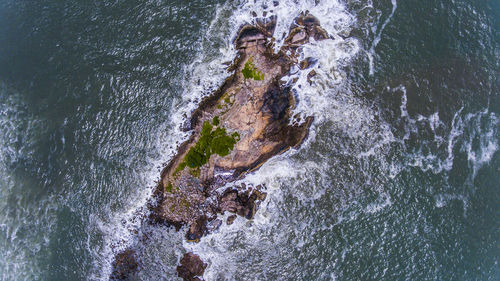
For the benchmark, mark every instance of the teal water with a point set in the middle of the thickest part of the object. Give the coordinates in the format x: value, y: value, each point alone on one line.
x: 399, y: 180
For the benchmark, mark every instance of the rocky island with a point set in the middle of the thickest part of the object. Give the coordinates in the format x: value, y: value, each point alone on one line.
x: 235, y: 130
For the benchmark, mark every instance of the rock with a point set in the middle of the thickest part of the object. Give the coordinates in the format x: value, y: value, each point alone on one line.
x: 307, y: 63
x: 197, y: 229
x: 234, y: 131
x: 310, y: 75
x: 191, y: 267
x: 230, y: 219
x: 214, y: 225
x: 124, y: 265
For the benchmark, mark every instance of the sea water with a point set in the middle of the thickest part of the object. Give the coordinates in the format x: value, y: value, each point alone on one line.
x: 399, y: 178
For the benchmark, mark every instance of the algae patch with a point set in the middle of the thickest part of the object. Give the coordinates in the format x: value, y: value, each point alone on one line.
x: 216, y: 120
x: 250, y: 71
x: 212, y: 141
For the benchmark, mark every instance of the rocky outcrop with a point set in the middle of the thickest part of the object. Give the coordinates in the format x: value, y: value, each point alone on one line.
x: 191, y: 267
x: 125, y: 263
x: 234, y: 131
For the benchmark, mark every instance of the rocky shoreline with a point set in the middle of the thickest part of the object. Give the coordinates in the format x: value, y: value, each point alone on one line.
x: 235, y: 130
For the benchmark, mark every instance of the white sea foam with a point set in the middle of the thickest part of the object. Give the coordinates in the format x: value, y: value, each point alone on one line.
x: 454, y: 133
x: 315, y: 98
x: 382, y: 202
x: 471, y: 133
x: 378, y: 34
x: 482, y: 129
x: 442, y: 200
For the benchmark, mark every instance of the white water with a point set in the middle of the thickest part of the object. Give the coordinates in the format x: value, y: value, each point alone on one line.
x: 378, y: 34
x: 471, y: 133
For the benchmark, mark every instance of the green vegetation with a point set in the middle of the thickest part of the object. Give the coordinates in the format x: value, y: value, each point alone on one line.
x: 180, y: 168
x: 227, y: 100
x: 212, y: 141
x: 169, y: 187
x: 216, y: 120
x: 249, y: 71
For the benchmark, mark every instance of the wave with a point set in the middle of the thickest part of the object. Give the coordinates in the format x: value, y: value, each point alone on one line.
x: 472, y: 133
x: 378, y: 34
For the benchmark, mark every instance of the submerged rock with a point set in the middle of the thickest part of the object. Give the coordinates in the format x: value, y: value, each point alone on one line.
x: 234, y: 131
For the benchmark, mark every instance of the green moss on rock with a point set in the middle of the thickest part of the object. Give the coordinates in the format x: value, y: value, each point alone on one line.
x: 212, y: 141
x: 216, y: 120
x: 250, y: 71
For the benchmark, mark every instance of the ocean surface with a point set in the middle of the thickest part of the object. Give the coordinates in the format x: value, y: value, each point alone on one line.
x: 398, y: 180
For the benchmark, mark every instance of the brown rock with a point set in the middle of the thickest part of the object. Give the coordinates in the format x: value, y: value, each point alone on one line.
x: 230, y: 219
x: 191, y: 267
x: 124, y: 265
x: 257, y: 109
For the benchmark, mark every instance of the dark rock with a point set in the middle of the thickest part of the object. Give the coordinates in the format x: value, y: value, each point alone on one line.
x: 197, y: 229
x: 276, y: 102
x: 311, y: 75
x: 124, y: 265
x: 230, y: 219
x: 307, y: 63
x: 243, y: 204
x: 213, y: 225
x: 248, y: 34
x: 191, y: 267
x: 267, y: 25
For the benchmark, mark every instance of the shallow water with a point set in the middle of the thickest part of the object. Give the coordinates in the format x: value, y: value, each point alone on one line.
x: 399, y: 178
